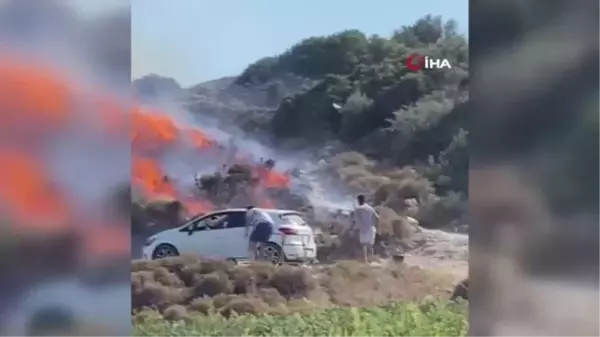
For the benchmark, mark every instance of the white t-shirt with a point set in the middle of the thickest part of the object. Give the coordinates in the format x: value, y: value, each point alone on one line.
x: 256, y: 216
x: 366, y: 218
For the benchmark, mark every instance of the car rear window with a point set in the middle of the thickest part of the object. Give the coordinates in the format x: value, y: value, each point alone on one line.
x: 294, y: 218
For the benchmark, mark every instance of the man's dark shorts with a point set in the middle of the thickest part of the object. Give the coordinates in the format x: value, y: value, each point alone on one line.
x: 262, y: 232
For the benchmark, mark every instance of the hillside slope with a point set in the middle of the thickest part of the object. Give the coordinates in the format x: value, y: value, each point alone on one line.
x: 404, y: 134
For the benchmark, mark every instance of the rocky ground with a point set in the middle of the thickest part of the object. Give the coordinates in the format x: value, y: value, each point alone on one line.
x: 441, y: 251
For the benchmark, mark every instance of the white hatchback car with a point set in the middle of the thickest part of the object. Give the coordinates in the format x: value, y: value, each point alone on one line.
x: 221, y: 235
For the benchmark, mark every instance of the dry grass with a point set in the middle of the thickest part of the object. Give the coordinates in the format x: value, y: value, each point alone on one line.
x: 179, y: 286
x: 392, y: 189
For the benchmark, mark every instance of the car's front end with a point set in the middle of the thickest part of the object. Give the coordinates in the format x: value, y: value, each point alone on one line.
x: 149, y: 247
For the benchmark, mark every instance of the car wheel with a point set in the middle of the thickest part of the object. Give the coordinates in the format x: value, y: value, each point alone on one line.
x: 271, y: 252
x: 164, y: 250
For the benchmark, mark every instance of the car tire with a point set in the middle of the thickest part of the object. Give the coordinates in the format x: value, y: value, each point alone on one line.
x: 164, y: 250
x: 271, y: 252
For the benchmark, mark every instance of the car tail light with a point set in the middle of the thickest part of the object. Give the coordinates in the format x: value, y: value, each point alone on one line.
x: 287, y: 231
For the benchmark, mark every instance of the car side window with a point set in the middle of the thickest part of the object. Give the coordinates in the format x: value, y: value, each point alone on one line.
x: 209, y: 222
x: 221, y: 222
x: 236, y: 220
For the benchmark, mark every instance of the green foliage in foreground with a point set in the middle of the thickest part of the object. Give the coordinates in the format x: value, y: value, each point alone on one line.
x: 403, y: 319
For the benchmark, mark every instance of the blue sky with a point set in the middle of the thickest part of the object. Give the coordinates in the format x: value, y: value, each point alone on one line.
x: 199, y: 40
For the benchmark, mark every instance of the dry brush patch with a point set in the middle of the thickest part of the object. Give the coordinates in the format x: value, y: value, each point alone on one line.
x: 178, y: 286
x: 405, y: 191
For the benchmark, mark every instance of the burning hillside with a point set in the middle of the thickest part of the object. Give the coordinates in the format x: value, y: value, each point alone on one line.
x: 41, y: 106
x: 158, y: 139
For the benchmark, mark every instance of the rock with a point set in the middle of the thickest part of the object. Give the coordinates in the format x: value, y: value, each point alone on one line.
x: 412, y: 222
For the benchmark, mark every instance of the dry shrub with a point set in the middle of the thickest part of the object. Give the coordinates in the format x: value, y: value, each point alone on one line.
x: 405, y: 173
x: 346, y: 159
x: 201, y: 305
x: 419, y: 189
x: 190, y: 272
x: 404, y: 184
x: 393, y: 227
x: 387, y: 195
x: 403, y: 228
x: 263, y: 273
x: 271, y: 296
x: 343, y: 246
x: 301, y: 305
x: 264, y: 288
x: 141, y: 265
x: 157, y: 296
x: 175, y: 263
x: 351, y: 283
x: 193, y: 268
x: 140, y: 278
x: 167, y: 212
x: 293, y: 281
x: 243, y: 279
x: 212, y: 284
x: 222, y: 300
x: 349, y: 270
x: 387, y: 216
x: 438, y: 212
x: 210, y: 266
x: 166, y: 278
x: 351, y: 173
x: 145, y: 315
x: 176, y: 313
x: 244, y: 306
x: 367, y: 183
x: 346, y: 245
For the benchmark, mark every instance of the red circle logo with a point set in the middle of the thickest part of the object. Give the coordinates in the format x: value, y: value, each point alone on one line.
x: 415, y: 62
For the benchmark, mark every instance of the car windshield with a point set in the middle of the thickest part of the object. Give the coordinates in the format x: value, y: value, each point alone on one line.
x: 186, y: 222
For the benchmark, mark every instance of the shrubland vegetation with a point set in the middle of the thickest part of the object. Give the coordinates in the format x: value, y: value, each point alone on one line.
x: 352, y: 93
x: 197, y: 283
x: 388, y: 113
x: 397, y: 136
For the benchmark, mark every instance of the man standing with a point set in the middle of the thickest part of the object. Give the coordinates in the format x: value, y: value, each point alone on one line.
x: 259, y: 225
x: 367, y: 220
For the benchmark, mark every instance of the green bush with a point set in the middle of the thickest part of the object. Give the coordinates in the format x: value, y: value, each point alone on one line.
x: 431, y: 318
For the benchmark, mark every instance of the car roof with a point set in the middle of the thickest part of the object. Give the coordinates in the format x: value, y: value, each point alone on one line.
x: 268, y: 210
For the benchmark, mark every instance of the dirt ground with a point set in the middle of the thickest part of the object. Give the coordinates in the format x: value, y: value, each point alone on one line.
x: 440, y: 251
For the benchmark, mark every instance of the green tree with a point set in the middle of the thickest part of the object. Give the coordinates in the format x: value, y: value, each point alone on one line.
x: 275, y: 93
x: 387, y: 111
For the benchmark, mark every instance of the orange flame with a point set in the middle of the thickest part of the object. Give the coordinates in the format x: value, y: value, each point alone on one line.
x: 32, y: 100
x: 39, y: 100
x: 27, y: 193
